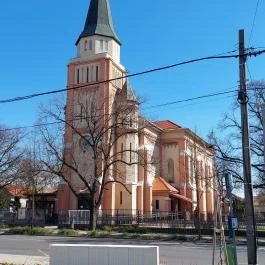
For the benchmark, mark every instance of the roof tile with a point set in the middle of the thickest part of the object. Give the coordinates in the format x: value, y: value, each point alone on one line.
x: 159, y: 184
x: 166, y: 124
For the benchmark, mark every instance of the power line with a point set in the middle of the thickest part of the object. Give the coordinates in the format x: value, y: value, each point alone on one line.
x: 249, y: 73
x: 191, y: 99
x: 253, y: 22
x: 31, y: 126
x: 150, y: 107
x: 20, y: 98
x: 188, y: 105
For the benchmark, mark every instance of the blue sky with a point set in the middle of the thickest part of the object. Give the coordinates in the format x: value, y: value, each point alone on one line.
x: 38, y: 37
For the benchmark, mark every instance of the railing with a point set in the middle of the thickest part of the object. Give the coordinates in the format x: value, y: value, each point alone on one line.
x: 155, y: 219
x: 23, y: 217
x: 74, y: 218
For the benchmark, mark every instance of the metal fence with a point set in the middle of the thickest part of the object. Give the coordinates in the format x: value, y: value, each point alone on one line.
x: 23, y: 217
x: 80, y: 218
x: 77, y: 218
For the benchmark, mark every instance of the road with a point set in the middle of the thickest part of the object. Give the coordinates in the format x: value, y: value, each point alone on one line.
x: 171, y: 253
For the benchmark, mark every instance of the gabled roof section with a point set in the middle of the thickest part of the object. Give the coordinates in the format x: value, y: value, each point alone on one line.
x: 167, y: 124
x: 99, y: 21
x: 159, y: 184
x: 162, y: 188
x: 15, y: 190
x: 20, y: 191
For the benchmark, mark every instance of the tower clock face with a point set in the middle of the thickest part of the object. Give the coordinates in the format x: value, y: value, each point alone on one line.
x: 84, y: 144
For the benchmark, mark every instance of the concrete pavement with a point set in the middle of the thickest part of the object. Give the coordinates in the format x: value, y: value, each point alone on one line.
x: 24, y: 260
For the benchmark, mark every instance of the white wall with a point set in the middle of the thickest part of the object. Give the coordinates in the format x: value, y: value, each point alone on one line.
x: 103, y: 255
x: 85, y: 53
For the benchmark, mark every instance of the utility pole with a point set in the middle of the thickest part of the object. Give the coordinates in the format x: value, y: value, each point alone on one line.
x: 263, y: 124
x: 232, y: 222
x: 249, y: 209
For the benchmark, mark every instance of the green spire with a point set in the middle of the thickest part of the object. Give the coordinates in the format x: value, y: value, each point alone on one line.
x: 99, y: 21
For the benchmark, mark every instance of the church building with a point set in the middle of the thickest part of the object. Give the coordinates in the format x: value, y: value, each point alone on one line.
x: 176, y: 169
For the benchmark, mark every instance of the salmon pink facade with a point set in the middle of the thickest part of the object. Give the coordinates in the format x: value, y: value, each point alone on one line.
x: 179, y: 157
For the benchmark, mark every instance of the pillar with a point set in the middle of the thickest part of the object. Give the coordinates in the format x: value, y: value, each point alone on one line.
x: 147, y: 199
x: 140, y: 198
x: 108, y: 204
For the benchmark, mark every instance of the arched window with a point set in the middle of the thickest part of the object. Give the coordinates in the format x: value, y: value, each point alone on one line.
x: 170, y: 170
x: 90, y: 45
x: 106, y: 48
x: 101, y: 47
x: 85, y: 45
x: 96, y: 73
x: 77, y: 76
x: 92, y: 73
x: 122, y: 151
x: 191, y: 170
x: 87, y: 75
x: 120, y: 197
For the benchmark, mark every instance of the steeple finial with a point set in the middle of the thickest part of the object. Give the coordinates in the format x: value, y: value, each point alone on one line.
x: 99, y: 21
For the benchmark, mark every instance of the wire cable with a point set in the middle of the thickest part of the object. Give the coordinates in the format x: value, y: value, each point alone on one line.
x: 253, y: 22
x: 249, y: 73
x: 188, y: 105
x: 151, y: 107
x: 20, y: 98
x: 190, y: 99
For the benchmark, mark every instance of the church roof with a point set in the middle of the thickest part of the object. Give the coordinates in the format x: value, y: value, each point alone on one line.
x: 99, y: 21
x: 161, y: 187
x: 127, y: 92
x: 15, y: 190
x: 159, y: 184
x: 167, y: 124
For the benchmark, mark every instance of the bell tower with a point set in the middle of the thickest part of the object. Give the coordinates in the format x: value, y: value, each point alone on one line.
x: 98, y: 38
x: 97, y: 60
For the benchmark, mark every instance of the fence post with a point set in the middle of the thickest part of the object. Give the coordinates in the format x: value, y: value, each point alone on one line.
x: 117, y: 217
x: 138, y: 217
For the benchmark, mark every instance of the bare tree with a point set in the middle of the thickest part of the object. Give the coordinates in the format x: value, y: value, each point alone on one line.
x: 229, y: 146
x: 99, y: 156
x: 10, y: 155
x: 33, y: 176
x: 202, y: 178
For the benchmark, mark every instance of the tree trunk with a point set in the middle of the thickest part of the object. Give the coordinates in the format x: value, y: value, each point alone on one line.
x: 93, y: 220
x: 198, y: 210
x: 93, y: 216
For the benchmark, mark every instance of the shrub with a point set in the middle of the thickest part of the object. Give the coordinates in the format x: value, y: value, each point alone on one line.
x: 68, y: 232
x: 133, y: 229
x: 27, y: 230
x: 93, y: 233
x: 107, y: 229
x: 3, y: 225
